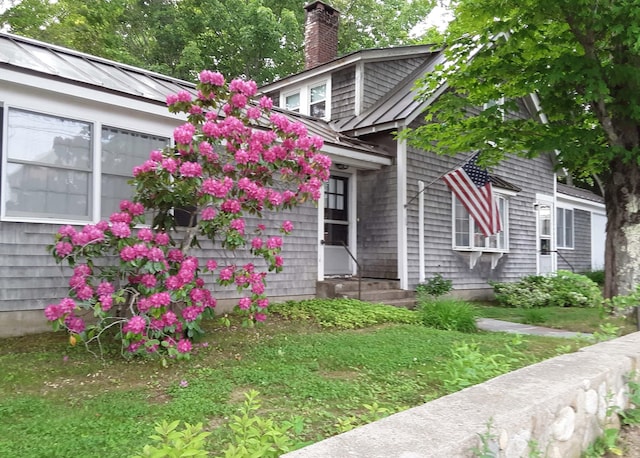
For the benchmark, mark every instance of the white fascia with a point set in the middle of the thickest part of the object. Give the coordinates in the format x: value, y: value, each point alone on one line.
x: 358, y: 159
x: 359, y: 88
x: 578, y: 203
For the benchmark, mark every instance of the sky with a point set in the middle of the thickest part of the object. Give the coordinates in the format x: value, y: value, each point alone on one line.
x: 439, y: 17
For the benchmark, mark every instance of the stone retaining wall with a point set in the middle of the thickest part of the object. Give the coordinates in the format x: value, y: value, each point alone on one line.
x: 562, y: 404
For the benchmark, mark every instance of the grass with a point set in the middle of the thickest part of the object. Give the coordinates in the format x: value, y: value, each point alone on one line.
x: 576, y: 319
x: 59, y: 401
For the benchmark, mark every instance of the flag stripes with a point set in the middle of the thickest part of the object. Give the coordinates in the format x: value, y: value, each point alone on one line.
x: 472, y: 187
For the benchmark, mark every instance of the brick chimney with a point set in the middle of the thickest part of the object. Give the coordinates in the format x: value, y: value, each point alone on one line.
x: 320, y: 34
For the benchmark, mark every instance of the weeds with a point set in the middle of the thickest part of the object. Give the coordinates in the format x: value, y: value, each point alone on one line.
x: 469, y: 366
x: 448, y: 315
x: 488, y: 447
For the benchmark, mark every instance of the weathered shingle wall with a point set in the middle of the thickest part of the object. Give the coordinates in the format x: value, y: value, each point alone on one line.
x: 343, y: 93
x: 30, y: 278
x: 578, y: 259
x: 381, y: 77
x: 533, y: 176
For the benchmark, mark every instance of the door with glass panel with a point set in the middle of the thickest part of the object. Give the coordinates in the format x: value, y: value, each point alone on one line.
x: 336, y: 226
x: 545, y: 238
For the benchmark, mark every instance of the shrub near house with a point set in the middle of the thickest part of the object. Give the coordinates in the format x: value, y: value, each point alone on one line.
x: 223, y: 167
x: 565, y: 289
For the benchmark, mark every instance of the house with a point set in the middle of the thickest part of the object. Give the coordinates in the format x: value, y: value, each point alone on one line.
x: 74, y: 125
x: 580, y: 229
x: 401, y: 221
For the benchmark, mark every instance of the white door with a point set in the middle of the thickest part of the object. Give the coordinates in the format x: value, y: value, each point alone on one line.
x: 336, y: 226
x: 544, y: 232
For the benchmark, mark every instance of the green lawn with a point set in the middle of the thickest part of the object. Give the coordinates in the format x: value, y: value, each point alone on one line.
x: 59, y: 401
x: 568, y: 318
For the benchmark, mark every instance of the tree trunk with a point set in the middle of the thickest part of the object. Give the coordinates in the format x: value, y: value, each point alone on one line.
x: 622, y: 251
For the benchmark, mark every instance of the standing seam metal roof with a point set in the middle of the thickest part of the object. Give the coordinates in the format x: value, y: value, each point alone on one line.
x: 59, y: 62
x: 397, y: 105
x: 66, y: 64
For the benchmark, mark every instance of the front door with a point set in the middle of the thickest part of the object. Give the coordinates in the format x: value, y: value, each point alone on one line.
x: 336, y: 226
x: 545, y: 238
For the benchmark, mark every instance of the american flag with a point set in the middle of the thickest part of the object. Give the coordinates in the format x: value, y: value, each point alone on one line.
x: 472, y: 186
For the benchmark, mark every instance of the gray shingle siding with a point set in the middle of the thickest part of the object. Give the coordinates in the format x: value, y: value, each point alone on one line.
x: 377, y: 227
x: 381, y: 77
x: 343, y: 94
x: 533, y: 176
x: 30, y: 279
x: 578, y: 259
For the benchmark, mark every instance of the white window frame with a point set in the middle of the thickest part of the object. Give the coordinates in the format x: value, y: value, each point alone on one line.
x: 305, y: 97
x: 118, y: 174
x: 91, y: 170
x: 95, y: 172
x: 289, y: 94
x: 474, y: 233
x: 561, y: 227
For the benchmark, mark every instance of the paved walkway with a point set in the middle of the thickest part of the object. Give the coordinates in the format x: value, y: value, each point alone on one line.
x: 489, y: 324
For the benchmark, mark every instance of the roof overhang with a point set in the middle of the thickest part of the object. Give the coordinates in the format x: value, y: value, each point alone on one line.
x: 366, y: 55
x: 580, y: 203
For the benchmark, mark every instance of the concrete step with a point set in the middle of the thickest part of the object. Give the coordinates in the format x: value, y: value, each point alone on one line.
x: 371, y: 290
x: 381, y: 295
x: 336, y: 287
x: 408, y: 303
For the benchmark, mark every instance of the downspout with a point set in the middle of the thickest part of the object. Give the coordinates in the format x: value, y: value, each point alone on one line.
x: 401, y: 192
x: 554, y: 250
x: 321, y: 243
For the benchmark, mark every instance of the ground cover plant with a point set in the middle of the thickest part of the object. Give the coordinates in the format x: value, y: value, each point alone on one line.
x: 58, y: 401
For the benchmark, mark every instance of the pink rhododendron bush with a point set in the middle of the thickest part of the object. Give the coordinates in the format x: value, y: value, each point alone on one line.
x: 232, y: 162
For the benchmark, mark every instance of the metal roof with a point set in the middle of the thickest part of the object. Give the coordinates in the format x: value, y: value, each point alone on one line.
x: 62, y: 63
x: 65, y: 64
x: 398, y: 105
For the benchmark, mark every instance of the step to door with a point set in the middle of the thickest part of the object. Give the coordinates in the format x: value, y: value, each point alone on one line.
x: 371, y: 290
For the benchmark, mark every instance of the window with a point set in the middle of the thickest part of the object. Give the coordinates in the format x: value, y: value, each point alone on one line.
x: 499, y: 104
x: 544, y: 228
x: 467, y: 236
x: 336, y: 227
x: 121, y: 152
x: 50, y: 172
x: 564, y: 228
x: 317, y: 101
x: 49, y: 166
x: 312, y: 99
x: 292, y: 102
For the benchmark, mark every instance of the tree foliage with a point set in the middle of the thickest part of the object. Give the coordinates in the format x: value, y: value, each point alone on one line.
x: 257, y: 39
x: 581, y: 58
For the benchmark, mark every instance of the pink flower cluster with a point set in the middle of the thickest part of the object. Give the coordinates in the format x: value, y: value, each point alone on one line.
x: 229, y: 170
